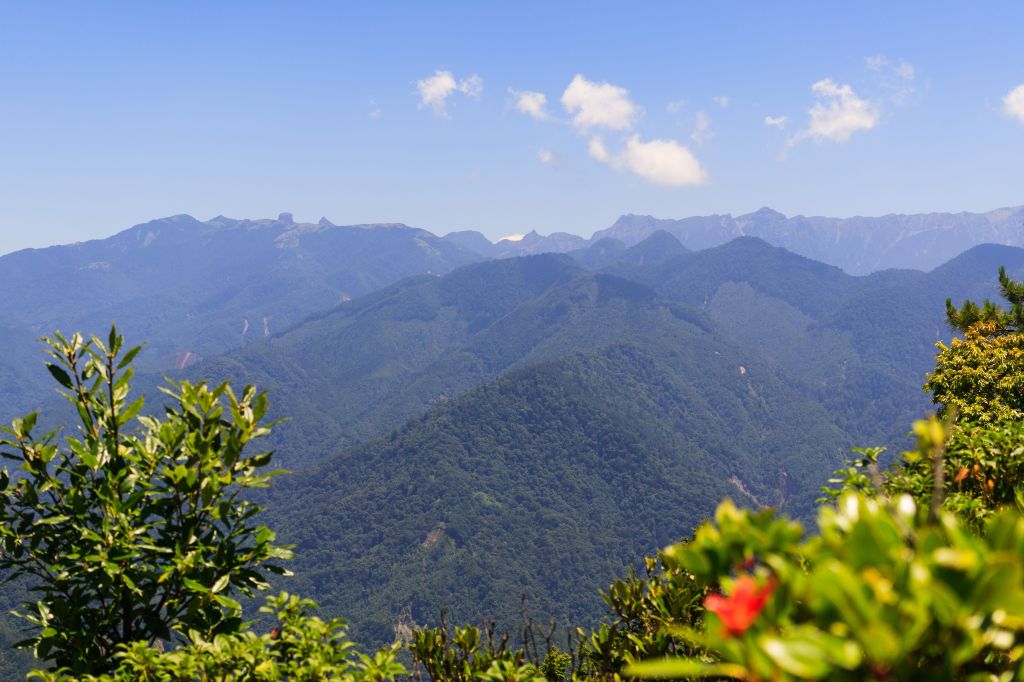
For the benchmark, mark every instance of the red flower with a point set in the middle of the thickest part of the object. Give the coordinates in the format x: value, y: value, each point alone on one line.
x: 739, y: 610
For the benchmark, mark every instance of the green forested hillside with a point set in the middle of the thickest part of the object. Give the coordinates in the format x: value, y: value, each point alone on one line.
x: 859, y: 345
x: 548, y: 482
x: 531, y: 426
x: 362, y: 368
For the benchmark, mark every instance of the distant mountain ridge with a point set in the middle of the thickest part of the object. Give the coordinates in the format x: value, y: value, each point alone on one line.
x: 199, y: 288
x: 858, y: 245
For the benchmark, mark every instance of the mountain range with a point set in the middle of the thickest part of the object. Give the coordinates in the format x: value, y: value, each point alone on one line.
x: 465, y: 429
x: 858, y: 245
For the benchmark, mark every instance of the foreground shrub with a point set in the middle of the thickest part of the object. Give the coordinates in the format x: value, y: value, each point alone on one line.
x: 880, y: 593
x: 133, y: 528
x: 300, y: 648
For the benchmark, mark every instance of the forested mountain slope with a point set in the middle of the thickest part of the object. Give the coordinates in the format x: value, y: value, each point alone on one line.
x: 513, y: 424
x: 355, y: 371
x: 861, y: 345
x: 548, y: 481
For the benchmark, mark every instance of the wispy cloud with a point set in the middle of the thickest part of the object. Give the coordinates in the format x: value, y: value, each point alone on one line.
x: 530, y: 103
x: 702, y: 132
x: 472, y: 86
x: 548, y: 157
x: 435, y: 90
x: 599, y: 105
x: 1013, y: 103
x: 837, y: 115
x: 776, y: 121
x: 721, y: 100
x: 896, y: 78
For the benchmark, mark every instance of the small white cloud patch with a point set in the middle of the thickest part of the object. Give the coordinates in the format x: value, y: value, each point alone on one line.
x: 472, y: 86
x: 599, y: 105
x: 838, y: 114
x: 530, y: 103
x: 435, y: 90
x: 776, y: 121
x: 1013, y: 103
x: 721, y: 100
x: 663, y: 162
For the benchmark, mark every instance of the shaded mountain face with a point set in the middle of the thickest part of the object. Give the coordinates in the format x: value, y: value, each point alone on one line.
x: 195, y: 289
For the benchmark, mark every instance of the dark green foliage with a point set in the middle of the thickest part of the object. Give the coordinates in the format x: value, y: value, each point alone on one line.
x: 468, y: 654
x: 134, y: 528
x: 547, y: 482
x: 1000, y: 320
x: 300, y: 648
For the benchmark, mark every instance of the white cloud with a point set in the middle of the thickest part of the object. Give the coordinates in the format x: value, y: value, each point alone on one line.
x: 838, y: 114
x: 599, y: 105
x: 675, y: 106
x: 512, y: 238
x: 663, y: 162
x: 702, y: 131
x: 435, y: 90
x: 1013, y: 103
x: 530, y: 103
x: 776, y: 121
x: 721, y: 100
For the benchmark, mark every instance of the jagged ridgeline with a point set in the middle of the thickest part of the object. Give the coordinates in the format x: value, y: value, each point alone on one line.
x: 465, y: 431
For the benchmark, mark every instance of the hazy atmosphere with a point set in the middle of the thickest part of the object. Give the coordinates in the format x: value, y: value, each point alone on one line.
x: 502, y: 118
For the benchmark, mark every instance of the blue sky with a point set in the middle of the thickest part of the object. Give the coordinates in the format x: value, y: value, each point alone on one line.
x: 112, y: 114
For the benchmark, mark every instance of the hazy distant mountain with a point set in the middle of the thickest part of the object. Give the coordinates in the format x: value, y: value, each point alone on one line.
x: 195, y: 289
x: 530, y: 243
x: 858, y: 245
